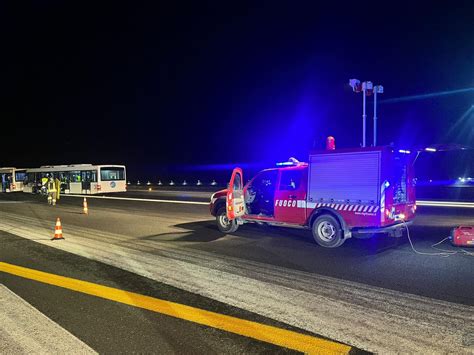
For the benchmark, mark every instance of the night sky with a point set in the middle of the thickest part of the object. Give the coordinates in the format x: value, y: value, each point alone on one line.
x: 194, y: 84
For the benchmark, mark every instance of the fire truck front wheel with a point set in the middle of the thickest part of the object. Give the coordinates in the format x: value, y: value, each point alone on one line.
x: 224, y: 224
x: 327, y: 231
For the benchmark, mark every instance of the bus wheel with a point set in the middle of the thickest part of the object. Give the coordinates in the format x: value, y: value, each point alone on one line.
x: 327, y: 231
x: 223, y: 223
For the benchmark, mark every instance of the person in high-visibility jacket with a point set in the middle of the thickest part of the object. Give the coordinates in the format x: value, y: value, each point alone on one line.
x: 51, y: 186
x: 44, y: 184
x: 57, y: 184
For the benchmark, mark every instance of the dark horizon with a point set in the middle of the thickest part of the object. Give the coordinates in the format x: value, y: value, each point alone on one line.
x: 163, y: 87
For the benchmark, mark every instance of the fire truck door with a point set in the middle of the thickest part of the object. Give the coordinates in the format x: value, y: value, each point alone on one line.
x: 290, y: 198
x: 235, y: 204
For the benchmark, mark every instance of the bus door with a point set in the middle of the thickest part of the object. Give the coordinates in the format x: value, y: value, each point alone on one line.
x: 87, y: 177
x: 290, y: 198
x: 6, y: 179
x: 3, y: 180
x: 75, y: 184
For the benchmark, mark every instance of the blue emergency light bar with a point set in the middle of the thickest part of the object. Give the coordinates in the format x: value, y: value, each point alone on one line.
x: 404, y: 151
x: 291, y: 162
x: 286, y: 163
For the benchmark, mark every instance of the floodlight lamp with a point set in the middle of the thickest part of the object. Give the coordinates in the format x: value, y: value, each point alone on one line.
x: 355, y: 85
x: 367, y: 85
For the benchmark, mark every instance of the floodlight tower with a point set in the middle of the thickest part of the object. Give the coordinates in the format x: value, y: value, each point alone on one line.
x: 367, y: 88
x: 378, y: 89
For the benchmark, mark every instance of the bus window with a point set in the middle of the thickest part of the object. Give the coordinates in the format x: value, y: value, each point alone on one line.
x: 31, y: 177
x: 89, y: 176
x: 20, y: 176
x: 112, y: 173
x: 63, y: 176
x: 75, y: 176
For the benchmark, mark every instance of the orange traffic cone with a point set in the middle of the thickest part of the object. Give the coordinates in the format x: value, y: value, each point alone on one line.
x: 58, y: 230
x: 84, y: 207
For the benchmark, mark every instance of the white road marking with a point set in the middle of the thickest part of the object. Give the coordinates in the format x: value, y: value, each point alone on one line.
x: 445, y: 204
x: 174, y: 191
x: 429, y: 203
x: 369, y: 317
x: 140, y: 199
x: 25, y: 330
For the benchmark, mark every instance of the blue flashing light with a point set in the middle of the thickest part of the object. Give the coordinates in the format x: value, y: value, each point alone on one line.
x: 429, y: 149
x: 387, y: 184
x: 291, y: 162
x: 403, y: 151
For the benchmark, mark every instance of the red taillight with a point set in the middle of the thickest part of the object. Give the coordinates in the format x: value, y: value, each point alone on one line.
x: 330, y: 143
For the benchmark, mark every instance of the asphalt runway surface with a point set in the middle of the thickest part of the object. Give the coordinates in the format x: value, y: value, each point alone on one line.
x: 374, y: 294
x: 110, y: 327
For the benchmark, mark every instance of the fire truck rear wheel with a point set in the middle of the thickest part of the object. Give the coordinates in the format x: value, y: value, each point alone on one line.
x: 223, y: 223
x: 327, y: 231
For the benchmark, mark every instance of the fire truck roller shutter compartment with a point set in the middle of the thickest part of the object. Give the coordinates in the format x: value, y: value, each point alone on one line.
x: 345, y: 177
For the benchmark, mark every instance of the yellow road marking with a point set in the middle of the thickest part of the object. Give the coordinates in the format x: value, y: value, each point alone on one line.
x: 282, y: 337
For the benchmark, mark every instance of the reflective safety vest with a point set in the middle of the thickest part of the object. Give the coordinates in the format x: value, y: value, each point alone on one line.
x: 57, y: 183
x: 51, y: 186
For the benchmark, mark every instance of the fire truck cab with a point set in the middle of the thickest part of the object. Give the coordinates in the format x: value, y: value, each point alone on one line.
x: 337, y: 194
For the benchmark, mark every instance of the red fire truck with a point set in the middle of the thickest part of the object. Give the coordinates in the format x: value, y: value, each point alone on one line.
x: 337, y: 194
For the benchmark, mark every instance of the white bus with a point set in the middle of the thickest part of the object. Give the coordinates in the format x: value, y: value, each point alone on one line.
x: 11, y: 179
x: 80, y: 178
